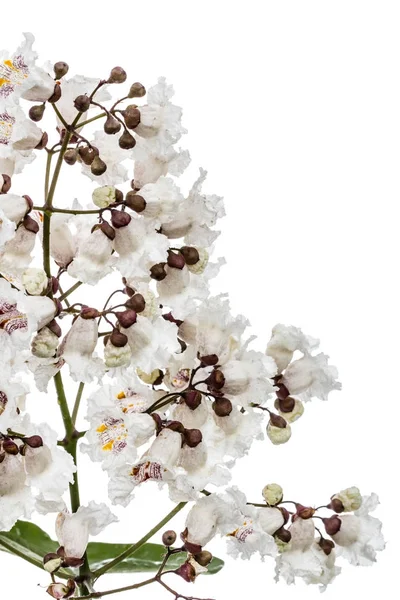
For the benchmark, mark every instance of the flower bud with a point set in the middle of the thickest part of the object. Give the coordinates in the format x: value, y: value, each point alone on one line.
x: 56, y: 94
x: 216, y: 380
x: 60, y: 590
x: 98, y: 166
x: 203, y: 558
x: 286, y: 404
x: 209, y: 361
x: 157, y: 272
x: 278, y: 435
x: 131, y: 116
x: 10, y: 447
x: 88, y: 154
x: 277, y: 421
x: 283, y: 535
x: 193, y: 437
x: 187, y: 572
x: 326, y: 545
x: 190, y: 255
x: 222, y: 407
x: 137, y: 90
x: 175, y: 260
x: 54, y: 328
x: 127, y: 318
x: 33, y: 441
x: 30, y: 224
x: 336, y: 505
x: 71, y: 156
x: 45, y: 343
x: 107, y: 230
x: 43, y: 142
x: 36, y: 112
x: 305, y: 512
x: 118, y: 339
x: 88, y: 312
x: 117, y: 75
x: 350, y: 499
x: 282, y: 392
x: 120, y: 218
x: 192, y: 399
x: 6, y: 183
x: 135, y: 202
x: 103, y: 196
x: 169, y: 537
x: 126, y: 141
x: 112, y: 125
x: 82, y: 103
x: 136, y: 303
x: 35, y: 281
x: 273, y: 494
x: 52, y: 562
x: 153, y: 378
x: 332, y: 524
x: 118, y: 355
x: 60, y: 69
x: 175, y: 426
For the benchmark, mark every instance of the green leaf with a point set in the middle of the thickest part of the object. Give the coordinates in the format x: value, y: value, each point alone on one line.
x: 32, y: 543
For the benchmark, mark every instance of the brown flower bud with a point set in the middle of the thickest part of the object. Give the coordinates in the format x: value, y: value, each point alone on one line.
x: 60, y: 69
x: 131, y: 116
x: 117, y: 75
x: 22, y: 449
x: 128, y: 290
x: 282, y: 391
x: 6, y: 184
x: 126, y: 141
x: 175, y: 260
x: 30, y: 224
x: 326, y: 545
x: 137, y: 90
x: 52, y: 562
x: 157, y: 272
x: 82, y: 102
x: 10, y: 447
x: 190, y: 254
x: 187, y: 572
x: 216, y: 380
x: 120, y: 218
x: 36, y: 112
x: 136, y: 303
x: 192, y: 399
x: 193, y: 437
x: 175, y: 426
x: 336, y: 505
x: 222, y: 407
x: 286, y: 404
x: 29, y: 202
x: 34, y: 441
x: 284, y: 535
x: 203, y: 558
x: 54, y: 328
x: 169, y: 537
x: 107, y: 230
x: 71, y: 156
x: 118, y: 339
x: 88, y: 312
x: 88, y: 154
x: 305, y: 512
x: 285, y: 514
x: 277, y: 421
x: 56, y: 95
x: 135, y: 202
x: 112, y: 125
x: 43, y: 142
x: 127, y: 318
x: 98, y: 166
x: 332, y: 524
x: 209, y: 361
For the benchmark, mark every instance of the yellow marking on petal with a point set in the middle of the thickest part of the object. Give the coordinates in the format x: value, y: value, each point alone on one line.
x: 108, y: 446
x: 3, y: 80
x: 101, y: 428
x: 9, y: 64
x: 121, y: 396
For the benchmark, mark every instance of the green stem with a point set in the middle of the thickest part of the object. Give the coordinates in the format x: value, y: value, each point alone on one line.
x: 67, y: 211
x: 59, y: 115
x: 71, y: 289
x: 63, y: 404
x: 57, y: 169
x: 140, y: 543
x: 77, y: 402
x: 29, y: 559
x: 91, y: 120
x: 135, y: 586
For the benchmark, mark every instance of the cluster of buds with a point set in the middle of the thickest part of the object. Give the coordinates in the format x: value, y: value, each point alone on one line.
x: 177, y: 258
x: 190, y: 437
x: 196, y: 561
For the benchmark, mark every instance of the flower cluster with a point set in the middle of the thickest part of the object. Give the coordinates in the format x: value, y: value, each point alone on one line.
x: 179, y: 390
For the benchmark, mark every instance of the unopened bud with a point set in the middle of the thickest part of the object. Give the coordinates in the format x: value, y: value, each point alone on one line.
x: 282, y: 391
x: 187, y: 572
x: 118, y: 339
x: 10, y: 447
x: 209, y: 361
x: 52, y: 562
x: 193, y: 437
x: 332, y: 524
x: 305, y: 512
x: 126, y: 141
x: 286, y: 404
x: 112, y: 125
x: 98, y: 166
x: 71, y: 156
x: 56, y: 95
x: 136, y: 303
x: 120, y: 218
x: 326, y: 545
x: 222, y: 407
x: 107, y: 230
x: 216, y: 380
x: 190, y: 254
x: 336, y: 505
x: 34, y: 441
x: 175, y: 426
x: 88, y: 154
x: 61, y: 590
x: 6, y: 186
x: 30, y: 224
x: 169, y: 537
x: 54, y: 328
x: 117, y: 75
x: 273, y: 494
x: 283, y: 534
x: 60, y: 69
x: 135, y: 202
x: 88, y: 312
x: 277, y: 421
x: 175, y: 260
x: 203, y: 558
x: 43, y: 142
x: 127, y: 318
x: 82, y: 103
x: 137, y: 90
x: 157, y: 272
x: 153, y: 378
x: 36, y: 112
x: 192, y: 399
x: 131, y: 116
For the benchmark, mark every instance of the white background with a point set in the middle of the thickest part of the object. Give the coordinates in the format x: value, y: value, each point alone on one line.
x: 293, y: 107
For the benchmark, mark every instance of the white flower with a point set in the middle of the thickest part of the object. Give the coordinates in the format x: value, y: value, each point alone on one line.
x: 73, y: 530
x: 7, y: 229
x: 155, y: 157
x: 15, y: 498
x: 72, y: 88
x: 206, y: 517
x: 247, y: 377
x: 45, y: 343
x: 35, y: 281
x: 115, y: 356
x: 18, y: 137
x: 303, y: 533
x: 103, y: 196
x: 279, y: 435
x: 350, y: 498
x: 93, y: 260
x: 78, y: 351
x: 111, y: 153
x: 284, y: 342
x: 14, y: 207
x: 163, y: 201
x: 312, y: 565
x: 360, y: 536
x: 311, y: 376
x: 270, y: 519
x: 16, y: 254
